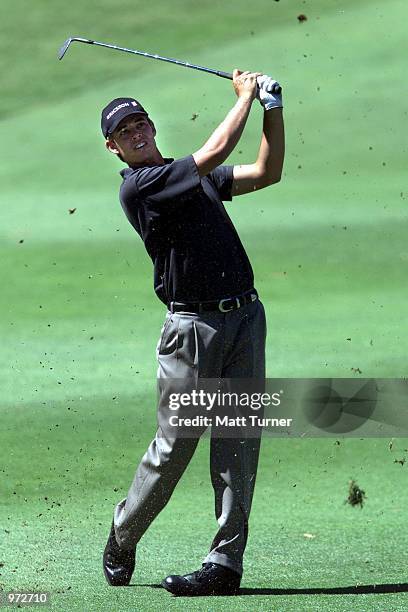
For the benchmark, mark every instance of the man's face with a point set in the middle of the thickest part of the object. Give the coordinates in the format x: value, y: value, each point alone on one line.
x: 134, y: 140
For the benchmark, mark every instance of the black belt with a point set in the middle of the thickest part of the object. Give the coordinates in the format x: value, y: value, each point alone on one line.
x: 224, y: 305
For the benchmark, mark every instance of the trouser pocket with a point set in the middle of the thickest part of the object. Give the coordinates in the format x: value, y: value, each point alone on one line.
x: 168, y: 341
x: 179, y: 340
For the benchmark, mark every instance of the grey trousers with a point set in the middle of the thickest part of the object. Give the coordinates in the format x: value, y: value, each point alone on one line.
x: 211, y: 345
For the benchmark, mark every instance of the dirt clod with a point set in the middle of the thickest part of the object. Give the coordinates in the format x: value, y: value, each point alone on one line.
x: 356, y: 495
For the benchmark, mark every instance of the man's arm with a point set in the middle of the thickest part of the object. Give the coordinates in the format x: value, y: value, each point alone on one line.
x: 268, y: 167
x: 225, y: 138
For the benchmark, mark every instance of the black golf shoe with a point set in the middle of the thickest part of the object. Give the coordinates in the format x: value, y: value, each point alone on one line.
x: 118, y: 564
x: 211, y: 579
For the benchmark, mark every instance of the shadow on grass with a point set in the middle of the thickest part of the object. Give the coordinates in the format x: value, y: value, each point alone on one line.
x: 361, y: 589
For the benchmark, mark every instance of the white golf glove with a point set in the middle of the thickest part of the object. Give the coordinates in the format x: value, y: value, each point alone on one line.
x: 267, y: 92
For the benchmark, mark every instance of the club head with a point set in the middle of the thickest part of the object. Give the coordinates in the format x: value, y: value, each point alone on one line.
x: 69, y: 40
x: 64, y: 48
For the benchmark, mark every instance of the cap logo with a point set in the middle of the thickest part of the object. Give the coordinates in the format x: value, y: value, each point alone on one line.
x: 115, y: 110
x: 133, y: 103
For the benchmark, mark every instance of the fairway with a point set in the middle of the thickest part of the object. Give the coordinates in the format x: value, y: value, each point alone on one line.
x: 80, y: 321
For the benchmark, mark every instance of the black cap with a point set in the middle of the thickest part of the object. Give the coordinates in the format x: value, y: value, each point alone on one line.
x: 116, y: 110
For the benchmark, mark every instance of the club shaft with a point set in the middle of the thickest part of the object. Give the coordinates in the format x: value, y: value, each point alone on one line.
x: 220, y: 73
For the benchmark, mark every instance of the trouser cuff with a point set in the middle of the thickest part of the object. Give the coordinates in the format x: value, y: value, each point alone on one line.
x: 123, y: 536
x: 221, y: 559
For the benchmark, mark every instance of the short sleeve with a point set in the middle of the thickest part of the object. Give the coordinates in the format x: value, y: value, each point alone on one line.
x: 222, y: 178
x: 163, y: 183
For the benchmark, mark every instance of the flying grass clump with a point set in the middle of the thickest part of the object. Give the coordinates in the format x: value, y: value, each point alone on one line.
x: 356, y: 495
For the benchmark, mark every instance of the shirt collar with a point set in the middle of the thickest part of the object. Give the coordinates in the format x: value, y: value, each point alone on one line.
x: 126, y: 171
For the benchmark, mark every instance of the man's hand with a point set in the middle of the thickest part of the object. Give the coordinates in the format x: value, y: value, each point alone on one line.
x: 245, y: 83
x: 266, y: 93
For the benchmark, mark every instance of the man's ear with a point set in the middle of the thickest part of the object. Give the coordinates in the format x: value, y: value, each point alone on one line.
x: 111, y: 146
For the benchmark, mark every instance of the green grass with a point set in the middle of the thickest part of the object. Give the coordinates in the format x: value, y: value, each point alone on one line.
x: 57, y: 526
x: 79, y: 320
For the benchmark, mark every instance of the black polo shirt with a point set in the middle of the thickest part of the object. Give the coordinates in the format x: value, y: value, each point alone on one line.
x: 195, y: 249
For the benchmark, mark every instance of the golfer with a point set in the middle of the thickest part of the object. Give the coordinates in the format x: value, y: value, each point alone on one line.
x: 215, y: 322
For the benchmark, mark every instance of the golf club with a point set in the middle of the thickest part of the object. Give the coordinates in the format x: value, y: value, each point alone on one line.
x: 220, y: 73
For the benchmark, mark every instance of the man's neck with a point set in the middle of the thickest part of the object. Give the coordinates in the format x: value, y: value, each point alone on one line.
x: 155, y: 160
